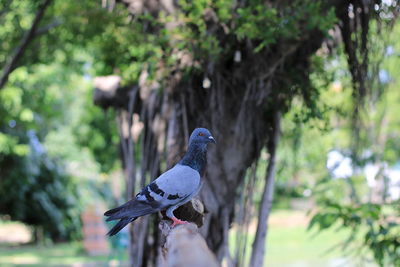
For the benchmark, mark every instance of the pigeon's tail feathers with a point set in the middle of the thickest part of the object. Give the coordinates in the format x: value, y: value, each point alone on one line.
x: 112, y: 211
x: 133, y: 208
x: 127, y: 213
x: 121, y: 224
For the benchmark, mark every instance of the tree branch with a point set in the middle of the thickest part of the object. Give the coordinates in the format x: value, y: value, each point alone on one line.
x: 48, y: 27
x: 19, y: 51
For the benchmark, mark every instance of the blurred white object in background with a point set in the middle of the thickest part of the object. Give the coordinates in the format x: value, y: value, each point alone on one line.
x: 339, y: 166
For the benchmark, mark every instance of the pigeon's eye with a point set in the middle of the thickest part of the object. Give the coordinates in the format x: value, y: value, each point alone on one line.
x: 201, y: 134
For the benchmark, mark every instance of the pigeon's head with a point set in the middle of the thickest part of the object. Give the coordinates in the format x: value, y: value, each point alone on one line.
x: 201, y: 136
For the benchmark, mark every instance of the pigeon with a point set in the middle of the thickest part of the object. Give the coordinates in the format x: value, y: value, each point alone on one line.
x: 171, y: 189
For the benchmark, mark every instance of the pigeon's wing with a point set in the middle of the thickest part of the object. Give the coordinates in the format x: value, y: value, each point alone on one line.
x: 173, y: 187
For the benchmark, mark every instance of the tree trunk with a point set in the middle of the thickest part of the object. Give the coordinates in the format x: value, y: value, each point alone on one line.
x: 258, y: 252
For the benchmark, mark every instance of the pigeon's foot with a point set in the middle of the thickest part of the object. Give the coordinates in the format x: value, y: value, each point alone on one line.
x: 176, y: 221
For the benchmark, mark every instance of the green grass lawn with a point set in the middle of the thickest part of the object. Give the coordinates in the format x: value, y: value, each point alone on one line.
x: 68, y: 254
x: 289, y: 245
x: 295, y: 246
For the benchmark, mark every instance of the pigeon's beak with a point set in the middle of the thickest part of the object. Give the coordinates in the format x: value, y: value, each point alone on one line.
x: 212, y: 139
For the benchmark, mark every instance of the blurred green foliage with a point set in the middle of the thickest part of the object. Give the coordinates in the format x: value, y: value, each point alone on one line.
x: 343, y: 204
x: 374, y: 228
x: 37, y: 191
x: 34, y: 186
x: 262, y: 22
x: 52, y: 139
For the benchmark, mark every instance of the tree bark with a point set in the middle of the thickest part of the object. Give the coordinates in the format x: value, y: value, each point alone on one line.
x: 184, y: 247
x: 19, y: 51
x: 258, y: 252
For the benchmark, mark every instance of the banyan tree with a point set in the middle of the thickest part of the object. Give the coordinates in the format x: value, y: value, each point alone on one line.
x: 234, y: 67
